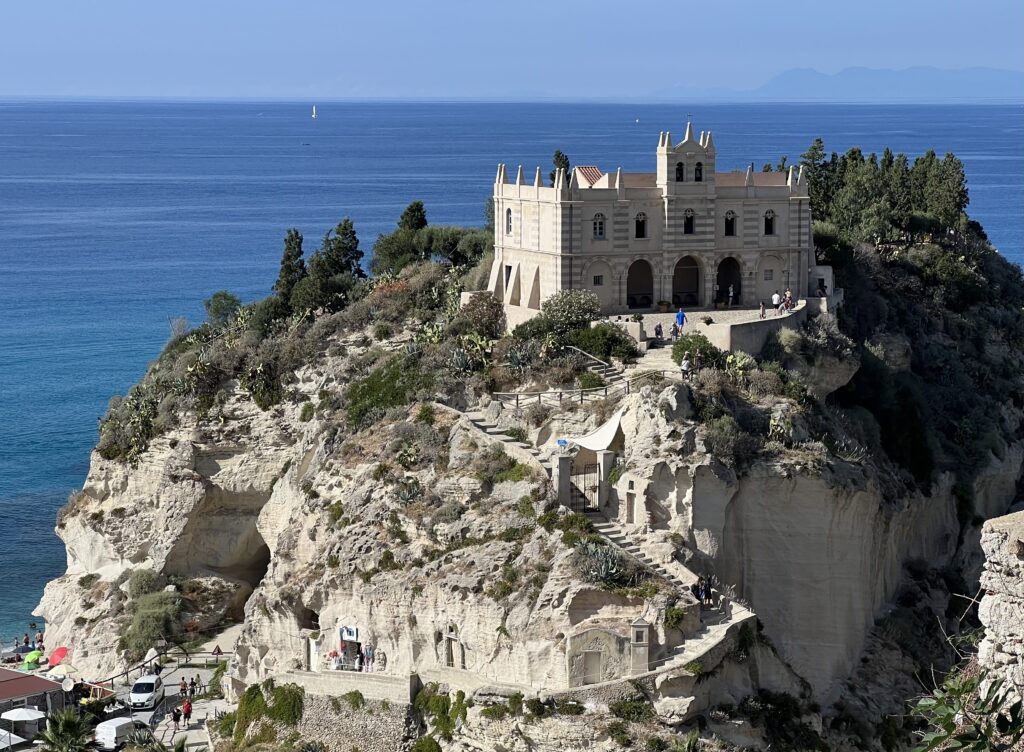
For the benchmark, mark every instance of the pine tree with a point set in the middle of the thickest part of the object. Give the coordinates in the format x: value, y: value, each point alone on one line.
x: 340, y: 253
x: 560, y: 161
x: 414, y: 217
x: 293, y: 268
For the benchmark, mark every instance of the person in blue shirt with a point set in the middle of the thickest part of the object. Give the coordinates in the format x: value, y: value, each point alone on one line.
x: 680, y: 319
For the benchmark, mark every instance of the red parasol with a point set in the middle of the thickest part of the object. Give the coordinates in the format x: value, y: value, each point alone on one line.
x: 57, y: 656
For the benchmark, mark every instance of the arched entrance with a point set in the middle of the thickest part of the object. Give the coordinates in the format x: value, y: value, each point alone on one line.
x: 729, y: 274
x: 640, y: 285
x: 686, y: 282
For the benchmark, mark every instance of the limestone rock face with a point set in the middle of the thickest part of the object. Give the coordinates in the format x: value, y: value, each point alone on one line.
x: 826, y: 373
x: 1001, y: 651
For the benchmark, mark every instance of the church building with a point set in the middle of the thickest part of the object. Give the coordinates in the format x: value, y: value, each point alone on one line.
x: 682, y: 235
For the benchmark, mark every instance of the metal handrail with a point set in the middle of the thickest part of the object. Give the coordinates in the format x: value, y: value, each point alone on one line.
x: 592, y: 357
x: 561, y: 394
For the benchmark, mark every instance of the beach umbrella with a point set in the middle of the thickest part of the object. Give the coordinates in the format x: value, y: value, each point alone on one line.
x: 59, y: 672
x: 57, y: 656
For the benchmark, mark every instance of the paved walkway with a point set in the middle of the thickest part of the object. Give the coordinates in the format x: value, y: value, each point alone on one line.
x: 203, y: 665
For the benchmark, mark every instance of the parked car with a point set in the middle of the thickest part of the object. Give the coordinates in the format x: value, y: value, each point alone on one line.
x: 115, y: 733
x: 147, y: 693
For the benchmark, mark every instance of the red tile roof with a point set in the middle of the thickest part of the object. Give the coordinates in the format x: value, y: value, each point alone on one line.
x: 591, y: 173
x: 16, y: 684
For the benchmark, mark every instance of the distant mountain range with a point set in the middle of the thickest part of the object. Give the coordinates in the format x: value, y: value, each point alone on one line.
x: 868, y: 85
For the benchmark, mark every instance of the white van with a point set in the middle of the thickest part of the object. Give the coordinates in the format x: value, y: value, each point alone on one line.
x: 147, y: 693
x: 114, y: 734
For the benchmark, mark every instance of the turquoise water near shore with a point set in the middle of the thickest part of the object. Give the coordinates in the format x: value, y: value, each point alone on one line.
x: 116, y: 216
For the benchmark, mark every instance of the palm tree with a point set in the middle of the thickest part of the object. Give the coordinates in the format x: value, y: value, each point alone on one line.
x: 66, y: 732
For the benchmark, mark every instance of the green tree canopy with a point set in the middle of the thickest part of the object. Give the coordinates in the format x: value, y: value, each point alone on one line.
x: 414, y: 217
x: 560, y: 161
x: 221, y: 306
x: 293, y: 268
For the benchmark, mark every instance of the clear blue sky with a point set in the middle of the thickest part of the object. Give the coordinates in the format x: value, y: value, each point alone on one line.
x: 473, y: 48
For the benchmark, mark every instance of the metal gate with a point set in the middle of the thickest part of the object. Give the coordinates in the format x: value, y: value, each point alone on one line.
x: 584, y: 487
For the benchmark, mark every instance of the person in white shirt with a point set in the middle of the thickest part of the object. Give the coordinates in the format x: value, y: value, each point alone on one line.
x: 776, y: 301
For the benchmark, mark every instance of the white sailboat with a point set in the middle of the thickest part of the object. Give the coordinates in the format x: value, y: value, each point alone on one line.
x: 314, y: 112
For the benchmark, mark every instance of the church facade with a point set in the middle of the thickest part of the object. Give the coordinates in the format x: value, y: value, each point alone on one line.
x: 682, y: 235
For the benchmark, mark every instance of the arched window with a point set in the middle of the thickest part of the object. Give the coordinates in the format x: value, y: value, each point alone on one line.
x: 769, y: 222
x: 508, y: 221
x: 640, y: 225
x: 698, y: 172
x: 730, y: 223
x: 599, y: 226
x: 688, y: 222
x: 680, y: 172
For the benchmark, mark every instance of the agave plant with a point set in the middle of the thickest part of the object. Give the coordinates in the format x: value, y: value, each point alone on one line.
x: 521, y: 356
x: 409, y: 490
x: 461, y: 361
x: 601, y: 563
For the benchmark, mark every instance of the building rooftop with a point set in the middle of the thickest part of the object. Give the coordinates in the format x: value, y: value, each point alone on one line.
x: 590, y: 173
x: 16, y: 684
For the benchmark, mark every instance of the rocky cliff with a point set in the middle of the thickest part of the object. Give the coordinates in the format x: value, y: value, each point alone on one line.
x: 1001, y: 651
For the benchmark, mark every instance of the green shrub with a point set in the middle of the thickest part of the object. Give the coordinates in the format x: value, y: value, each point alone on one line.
x: 636, y: 709
x: 287, y: 703
x: 393, y: 384
x: 700, y: 349
x: 727, y: 441
x: 567, y: 310
x: 494, y: 712
x: 516, y: 473
x: 426, y: 414
x: 619, y: 733
x: 604, y: 341
x: 525, y: 508
x: 382, y: 332
x: 307, y: 412
x: 426, y: 744
x: 515, y: 703
x: 333, y: 561
x: 569, y: 707
x: 335, y: 512
x: 518, y: 433
x: 589, y: 380
x: 354, y: 699
x: 483, y: 315
x: 226, y: 724
x: 674, y: 617
x: 154, y: 617
x: 86, y: 580
x: 536, y: 707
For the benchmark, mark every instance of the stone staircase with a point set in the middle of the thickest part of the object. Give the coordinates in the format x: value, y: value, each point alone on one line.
x: 482, y: 423
x: 620, y: 540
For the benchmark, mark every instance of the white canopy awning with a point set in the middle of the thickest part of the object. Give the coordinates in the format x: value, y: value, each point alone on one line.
x: 23, y: 714
x: 601, y: 437
x: 7, y: 739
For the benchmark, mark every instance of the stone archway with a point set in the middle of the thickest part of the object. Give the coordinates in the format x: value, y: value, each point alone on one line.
x: 686, y: 283
x: 640, y: 286
x: 729, y: 274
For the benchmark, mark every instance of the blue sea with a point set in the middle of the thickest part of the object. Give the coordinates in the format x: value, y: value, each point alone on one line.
x: 118, y: 216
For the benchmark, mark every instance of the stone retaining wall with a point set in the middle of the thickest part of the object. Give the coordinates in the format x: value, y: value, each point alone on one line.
x: 377, y: 726
x: 399, y: 689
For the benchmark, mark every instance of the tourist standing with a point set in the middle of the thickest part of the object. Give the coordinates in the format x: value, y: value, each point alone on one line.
x: 175, y: 719
x: 680, y: 320
x: 186, y: 713
x: 732, y: 294
x: 183, y: 687
x: 675, y: 331
x: 777, y: 302
x: 685, y: 366
x: 368, y: 655
x: 762, y: 310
